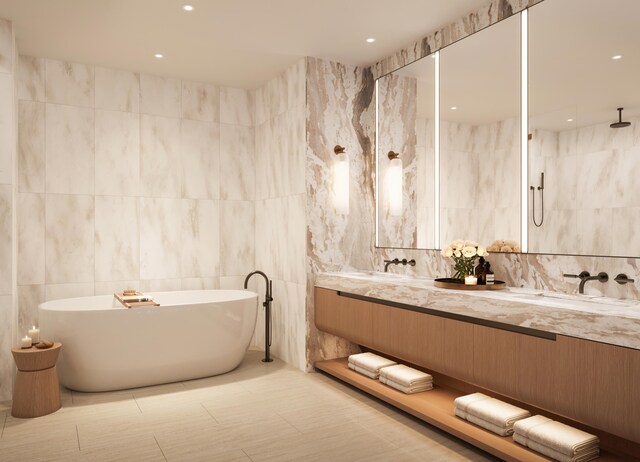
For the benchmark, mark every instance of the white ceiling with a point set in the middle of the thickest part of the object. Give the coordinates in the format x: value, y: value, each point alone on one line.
x: 241, y: 43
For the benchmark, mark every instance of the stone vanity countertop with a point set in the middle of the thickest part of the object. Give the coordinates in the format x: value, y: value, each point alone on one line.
x: 600, y: 319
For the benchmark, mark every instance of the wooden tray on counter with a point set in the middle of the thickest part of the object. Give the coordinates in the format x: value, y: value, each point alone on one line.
x: 450, y: 283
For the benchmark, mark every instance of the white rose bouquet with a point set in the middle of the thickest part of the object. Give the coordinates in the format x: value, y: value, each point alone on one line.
x: 464, y: 254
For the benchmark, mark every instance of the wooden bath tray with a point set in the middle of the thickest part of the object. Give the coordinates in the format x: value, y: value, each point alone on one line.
x: 450, y: 283
x: 128, y: 303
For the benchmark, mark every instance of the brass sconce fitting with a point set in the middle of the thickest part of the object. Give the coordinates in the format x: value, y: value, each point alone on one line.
x: 338, y: 149
x: 393, y: 155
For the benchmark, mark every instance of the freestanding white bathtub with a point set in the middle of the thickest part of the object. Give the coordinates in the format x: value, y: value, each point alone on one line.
x: 106, y: 346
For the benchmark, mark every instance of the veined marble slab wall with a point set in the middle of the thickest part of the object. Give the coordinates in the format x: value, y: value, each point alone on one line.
x: 493, y: 12
x: 398, y: 95
x: 340, y: 110
x: 592, y: 196
x: 8, y: 314
x: 129, y: 180
x: 280, y: 140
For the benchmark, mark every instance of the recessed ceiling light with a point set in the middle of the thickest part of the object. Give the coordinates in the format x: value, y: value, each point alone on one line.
x: 187, y: 7
x: 569, y: 120
x: 616, y: 57
x: 453, y: 108
x: 159, y: 55
x: 371, y: 40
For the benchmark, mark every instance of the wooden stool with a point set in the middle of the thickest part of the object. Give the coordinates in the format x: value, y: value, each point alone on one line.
x: 36, y: 391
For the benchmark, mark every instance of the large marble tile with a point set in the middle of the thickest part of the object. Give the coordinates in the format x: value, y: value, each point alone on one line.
x: 237, y: 162
x: 594, y: 173
x: 160, y: 238
x: 200, y: 147
x: 624, y: 185
x: 69, y: 150
x: 237, y: 237
x: 296, y: 77
x: 29, y: 297
x: 117, y: 158
x: 199, y: 247
x: 264, y: 157
x: 160, y: 96
x: 270, y: 214
x: 200, y: 101
x: 30, y: 78
x: 73, y: 290
x: 69, y: 83
x: 69, y: 254
x: 594, y: 231
x: 297, y: 152
x: 200, y: 283
x: 6, y: 46
x: 160, y: 163
x: 236, y: 106
x: 117, y: 90
x: 31, y: 238
x: 7, y: 124
x: 626, y: 225
x: 110, y: 287
x: 6, y: 244
x: 31, y: 142
x: 293, y: 239
x: 160, y: 285
x: 288, y: 316
x: 116, y: 239
x: 7, y: 365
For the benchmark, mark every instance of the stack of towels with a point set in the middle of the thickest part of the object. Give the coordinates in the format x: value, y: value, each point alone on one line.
x: 556, y: 440
x: 406, y: 379
x: 489, y: 413
x: 369, y: 364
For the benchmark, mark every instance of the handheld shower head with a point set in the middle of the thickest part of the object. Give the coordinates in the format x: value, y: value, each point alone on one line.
x: 620, y: 123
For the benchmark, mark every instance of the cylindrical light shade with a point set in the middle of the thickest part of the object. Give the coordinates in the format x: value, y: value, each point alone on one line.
x: 341, y: 183
x: 394, y: 184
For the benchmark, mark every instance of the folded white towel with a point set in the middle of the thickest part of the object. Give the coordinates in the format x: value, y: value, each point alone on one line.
x: 370, y: 361
x: 408, y: 390
x: 491, y: 410
x: 555, y: 435
x: 502, y: 431
x: 584, y: 456
x: 405, y: 375
x: 368, y: 373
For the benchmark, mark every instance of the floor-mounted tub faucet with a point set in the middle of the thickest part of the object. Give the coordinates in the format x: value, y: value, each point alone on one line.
x: 586, y: 277
x: 267, y: 306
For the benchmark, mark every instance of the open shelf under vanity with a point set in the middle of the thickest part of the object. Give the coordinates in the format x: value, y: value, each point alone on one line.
x: 436, y: 408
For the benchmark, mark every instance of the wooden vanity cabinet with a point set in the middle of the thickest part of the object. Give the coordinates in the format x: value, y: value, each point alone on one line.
x: 588, y: 382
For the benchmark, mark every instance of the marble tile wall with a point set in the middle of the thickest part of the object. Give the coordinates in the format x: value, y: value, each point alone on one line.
x: 592, y: 198
x: 129, y: 180
x: 8, y: 313
x: 280, y: 221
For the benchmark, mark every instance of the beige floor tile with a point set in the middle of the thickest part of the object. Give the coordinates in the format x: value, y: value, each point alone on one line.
x: 257, y: 412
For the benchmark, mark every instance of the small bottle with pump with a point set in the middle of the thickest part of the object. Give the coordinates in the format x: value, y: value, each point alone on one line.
x: 489, y: 276
x: 479, y: 272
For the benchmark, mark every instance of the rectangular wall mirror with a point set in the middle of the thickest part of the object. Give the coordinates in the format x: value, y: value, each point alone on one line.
x: 590, y: 201
x: 405, y: 156
x: 480, y: 137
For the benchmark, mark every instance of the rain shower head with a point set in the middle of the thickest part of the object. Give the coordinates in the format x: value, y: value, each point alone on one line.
x: 620, y: 123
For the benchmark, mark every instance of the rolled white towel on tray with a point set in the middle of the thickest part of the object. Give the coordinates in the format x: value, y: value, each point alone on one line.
x: 408, y: 390
x: 405, y: 375
x: 499, y: 414
x: 584, y: 456
x: 371, y: 362
x: 368, y: 373
x: 555, y: 435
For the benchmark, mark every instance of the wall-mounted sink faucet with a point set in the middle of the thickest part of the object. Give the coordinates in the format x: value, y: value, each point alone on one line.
x: 395, y: 261
x: 585, y: 276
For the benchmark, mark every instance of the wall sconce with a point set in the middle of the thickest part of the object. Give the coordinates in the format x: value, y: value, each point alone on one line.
x: 394, y: 184
x: 341, y: 180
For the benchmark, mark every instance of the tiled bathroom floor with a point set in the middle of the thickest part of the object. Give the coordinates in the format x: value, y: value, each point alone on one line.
x: 258, y: 412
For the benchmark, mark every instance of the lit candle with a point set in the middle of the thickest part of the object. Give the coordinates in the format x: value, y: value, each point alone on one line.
x: 34, y: 333
x: 471, y: 281
x: 25, y: 342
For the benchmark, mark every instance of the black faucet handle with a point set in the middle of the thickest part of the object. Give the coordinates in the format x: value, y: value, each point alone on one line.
x: 412, y: 262
x: 571, y: 276
x: 623, y: 279
x: 603, y: 277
